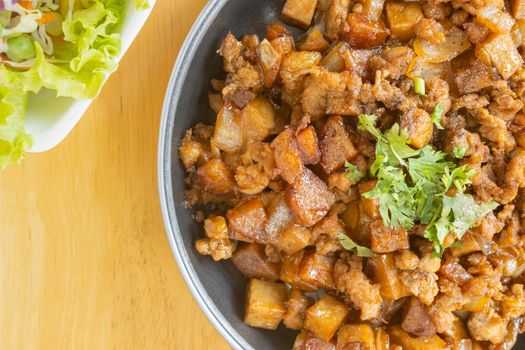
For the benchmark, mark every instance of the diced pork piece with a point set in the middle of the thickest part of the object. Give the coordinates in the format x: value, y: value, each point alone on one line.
x: 252, y: 261
x: 231, y: 50
x: 229, y: 133
x: 309, y: 198
x: 416, y: 320
x: 422, y: 284
x: 215, y: 177
x: 191, y: 151
x: 336, y: 147
x: 316, y: 90
x: 269, y: 62
x: 356, y: 336
x: 293, y: 239
x: 265, y: 304
x: 430, y: 263
x: 419, y: 126
x: 290, y: 272
x: 299, y: 12
x: 325, y: 317
x: 430, y: 30
x: 386, y: 275
x: 280, y: 217
x: 487, y: 325
x: 499, y: 51
x: 247, y: 222
x: 452, y: 270
x: 308, y: 145
x: 402, y: 18
x: 513, y: 306
x: 258, y: 119
x: 363, y: 32
x: 335, y: 18
x: 407, y: 260
x: 350, y: 279
x: 385, y: 239
x: 399, y: 336
x: 472, y: 76
x: 286, y: 155
x: 314, y: 41
x: 296, y: 309
x: 307, y: 341
x: 218, y: 249
x: 317, y: 269
x: 476, y: 32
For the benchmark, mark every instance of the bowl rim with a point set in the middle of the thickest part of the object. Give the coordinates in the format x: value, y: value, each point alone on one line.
x: 171, y: 101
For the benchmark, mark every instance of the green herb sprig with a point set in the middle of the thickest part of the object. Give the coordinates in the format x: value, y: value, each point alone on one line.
x: 413, y: 186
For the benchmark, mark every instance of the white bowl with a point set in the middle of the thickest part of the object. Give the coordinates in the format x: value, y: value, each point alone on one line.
x: 49, y: 123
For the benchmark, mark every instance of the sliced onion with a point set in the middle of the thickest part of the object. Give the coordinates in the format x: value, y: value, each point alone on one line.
x: 456, y: 42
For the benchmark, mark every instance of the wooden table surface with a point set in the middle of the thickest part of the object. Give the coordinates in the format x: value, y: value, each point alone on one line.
x: 84, y: 260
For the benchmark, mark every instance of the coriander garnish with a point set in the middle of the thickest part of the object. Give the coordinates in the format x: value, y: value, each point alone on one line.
x: 349, y: 244
x: 413, y: 186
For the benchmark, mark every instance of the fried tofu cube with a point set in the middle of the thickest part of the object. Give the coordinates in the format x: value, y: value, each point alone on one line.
x: 308, y: 341
x: 299, y: 12
x: 247, y: 222
x: 308, y: 145
x: 290, y: 272
x: 228, y: 134
x: 317, y: 269
x: 499, y: 51
x: 472, y: 75
x: 265, y: 304
x: 215, y: 177
x: 384, y: 239
x: 325, y: 317
x: 286, y: 155
x: 350, y: 334
x: 400, y: 337
x: 259, y: 119
x: 369, y: 207
x: 336, y: 147
x: 351, y: 216
x: 252, y: 261
x: 293, y: 239
x: 386, y: 274
x: 402, y: 18
x: 309, y: 198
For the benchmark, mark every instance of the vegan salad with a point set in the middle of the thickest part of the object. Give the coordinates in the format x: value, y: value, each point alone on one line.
x: 68, y: 46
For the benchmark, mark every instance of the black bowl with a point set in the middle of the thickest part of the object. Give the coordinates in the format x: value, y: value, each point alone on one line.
x: 218, y: 288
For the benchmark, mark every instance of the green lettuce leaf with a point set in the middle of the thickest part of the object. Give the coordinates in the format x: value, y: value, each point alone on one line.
x: 87, y: 53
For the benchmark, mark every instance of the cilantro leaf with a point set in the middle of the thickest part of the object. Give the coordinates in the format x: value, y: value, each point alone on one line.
x: 398, y: 142
x: 412, y: 186
x: 437, y: 115
x: 349, y: 244
x: 459, y: 152
x: 367, y: 123
x: 352, y: 173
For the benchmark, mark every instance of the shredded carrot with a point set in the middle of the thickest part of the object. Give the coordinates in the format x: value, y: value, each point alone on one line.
x: 27, y: 4
x: 46, y: 18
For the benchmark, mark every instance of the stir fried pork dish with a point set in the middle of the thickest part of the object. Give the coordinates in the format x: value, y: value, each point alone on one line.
x: 367, y: 177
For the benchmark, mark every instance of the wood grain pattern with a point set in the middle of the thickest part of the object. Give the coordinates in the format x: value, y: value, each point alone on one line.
x: 84, y: 261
